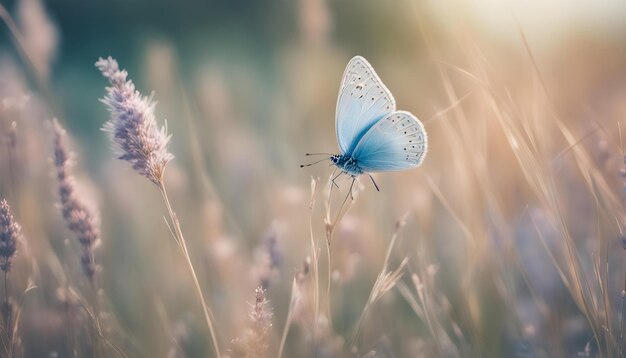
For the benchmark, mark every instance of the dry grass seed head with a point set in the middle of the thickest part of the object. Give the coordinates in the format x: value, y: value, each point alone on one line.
x: 132, y: 127
x: 254, y: 343
x: 10, y: 233
x: 81, y: 219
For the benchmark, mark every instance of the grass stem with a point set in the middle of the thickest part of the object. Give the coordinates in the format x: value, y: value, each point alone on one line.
x: 180, y: 240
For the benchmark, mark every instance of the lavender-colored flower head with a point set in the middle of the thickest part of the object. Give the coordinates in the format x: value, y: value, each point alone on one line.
x: 132, y: 127
x: 270, y: 259
x: 80, y: 218
x: 10, y: 233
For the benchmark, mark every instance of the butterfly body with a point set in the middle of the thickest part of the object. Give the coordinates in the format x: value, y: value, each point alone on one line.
x: 373, y: 136
x: 347, y: 164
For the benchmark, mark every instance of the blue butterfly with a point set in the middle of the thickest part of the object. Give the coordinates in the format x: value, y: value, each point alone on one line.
x: 372, y: 135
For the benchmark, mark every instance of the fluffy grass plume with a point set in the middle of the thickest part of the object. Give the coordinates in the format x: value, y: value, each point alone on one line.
x: 132, y: 127
x: 10, y: 232
x: 134, y: 132
x: 80, y: 218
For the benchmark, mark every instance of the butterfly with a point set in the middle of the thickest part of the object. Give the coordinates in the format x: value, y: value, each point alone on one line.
x: 372, y: 135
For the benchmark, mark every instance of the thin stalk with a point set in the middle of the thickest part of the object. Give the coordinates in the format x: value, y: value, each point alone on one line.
x: 428, y: 310
x: 329, y: 278
x: 283, y: 339
x: 621, y: 324
x: 381, y: 276
x: 359, y: 323
x: 99, y: 347
x: 316, y: 280
x: 315, y: 248
x: 180, y: 240
x: 329, y: 237
x: 623, y: 313
x: 330, y: 231
x: 7, y: 310
x: 70, y: 327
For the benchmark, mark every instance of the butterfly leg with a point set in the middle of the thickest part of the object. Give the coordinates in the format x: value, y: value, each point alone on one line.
x: 375, y: 185
x: 352, y: 185
x: 332, y: 185
x: 335, y: 178
x: 348, y: 195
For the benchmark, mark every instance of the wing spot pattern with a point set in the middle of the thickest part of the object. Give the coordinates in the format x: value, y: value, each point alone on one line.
x: 404, y: 127
x: 354, y: 111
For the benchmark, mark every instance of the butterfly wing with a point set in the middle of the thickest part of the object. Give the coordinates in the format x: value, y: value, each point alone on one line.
x: 396, y: 142
x: 363, y: 100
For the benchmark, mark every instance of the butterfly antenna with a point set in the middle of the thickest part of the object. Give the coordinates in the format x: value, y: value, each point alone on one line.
x: 308, y: 165
x: 308, y: 154
x: 375, y: 185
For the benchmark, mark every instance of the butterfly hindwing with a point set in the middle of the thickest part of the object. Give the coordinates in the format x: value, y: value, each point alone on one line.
x: 396, y: 142
x: 363, y: 100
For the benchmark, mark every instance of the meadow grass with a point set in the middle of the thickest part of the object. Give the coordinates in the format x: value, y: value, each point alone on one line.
x: 508, y: 241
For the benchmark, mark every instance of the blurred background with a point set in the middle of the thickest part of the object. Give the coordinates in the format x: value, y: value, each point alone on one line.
x: 513, y: 224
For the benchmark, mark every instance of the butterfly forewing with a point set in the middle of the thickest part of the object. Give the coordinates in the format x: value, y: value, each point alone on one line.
x: 396, y: 142
x: 363, y: 101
